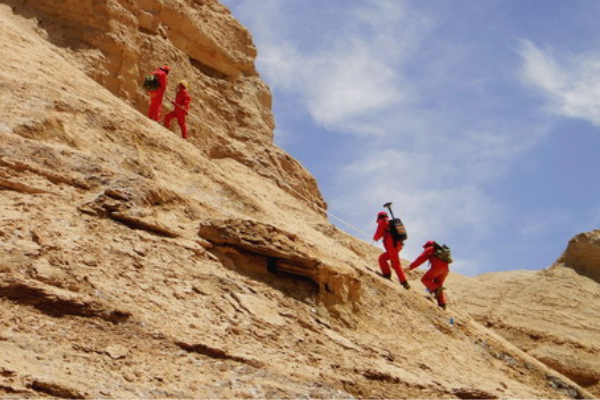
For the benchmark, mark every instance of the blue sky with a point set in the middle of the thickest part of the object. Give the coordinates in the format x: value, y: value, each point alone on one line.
x: 480, y: 120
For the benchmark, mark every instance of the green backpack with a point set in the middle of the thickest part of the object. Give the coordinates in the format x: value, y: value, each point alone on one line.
x: 442, y: 252
x: 151, y: 83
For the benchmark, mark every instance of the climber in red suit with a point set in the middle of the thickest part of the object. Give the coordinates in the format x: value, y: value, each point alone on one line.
x: 435, y: 277
x: 392, y: 250
x: 182, y: 106
x: 156, y: 96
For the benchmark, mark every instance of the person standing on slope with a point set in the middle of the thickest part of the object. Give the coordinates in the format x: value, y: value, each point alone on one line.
x: 156, y: 95
x: 182, y: 107
x: 392, y: 250
x: 439, y: 259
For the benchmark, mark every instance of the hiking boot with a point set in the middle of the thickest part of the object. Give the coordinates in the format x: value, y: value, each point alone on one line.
x: 387, y: 276
x: 438, y: 292
x: 405, y: 284
x: 443, y: 306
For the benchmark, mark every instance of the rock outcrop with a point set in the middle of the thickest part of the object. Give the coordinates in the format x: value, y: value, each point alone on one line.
x: 241, y: 243
x: 134, y: 264
x: 550, y: 314
x: 583, y: 255
x: 117, y: 43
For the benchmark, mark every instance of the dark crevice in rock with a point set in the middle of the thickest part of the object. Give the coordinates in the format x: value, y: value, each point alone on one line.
x: 473, y: 394
x: 217, y: 353
x: 373, y: 375
x: 57, y: 304
x: 56, y: 390
x: 137, y: 223
x: 569, y: 390
x: 6, y: 184
x: 51, y: 176
x: 207, y: 70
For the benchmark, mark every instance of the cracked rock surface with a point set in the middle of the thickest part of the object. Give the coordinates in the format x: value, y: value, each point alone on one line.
x: 134, y: 264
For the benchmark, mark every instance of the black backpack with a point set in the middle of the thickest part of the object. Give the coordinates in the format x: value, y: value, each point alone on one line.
x: 442, y: 252
x: 151, y: 83
x: 397, y: 230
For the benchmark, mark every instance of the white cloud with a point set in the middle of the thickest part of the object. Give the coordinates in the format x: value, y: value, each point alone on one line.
x: 431, y: 201
x: 569, y: 84
x: 353, y: 71
x: 539, y: 222
x: 347, y: 87
x: 433, y: 160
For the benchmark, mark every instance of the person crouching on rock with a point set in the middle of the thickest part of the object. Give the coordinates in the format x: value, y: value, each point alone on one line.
x: 182, y: 107
x: 392, y: 250
x: 435, y: 277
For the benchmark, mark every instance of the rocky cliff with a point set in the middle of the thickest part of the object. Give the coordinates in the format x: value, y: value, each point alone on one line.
x: 550, y: 314
x: 116, y: 43
x: 135, y: 264
x: 583, y: 255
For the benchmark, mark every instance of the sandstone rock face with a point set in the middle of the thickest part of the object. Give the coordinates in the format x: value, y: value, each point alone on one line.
x: 583, y: 254
x: 134, y: 264
x: 551, y: 314
x: 118, y: 42
x: 285, y: 253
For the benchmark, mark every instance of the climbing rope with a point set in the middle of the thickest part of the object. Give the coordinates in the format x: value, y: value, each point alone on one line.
x: 301, y: 197
x: 327, y: 212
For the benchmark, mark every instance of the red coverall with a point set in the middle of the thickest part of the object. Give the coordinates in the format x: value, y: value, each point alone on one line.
x: 392, y: 250
x: 156, y: 96
x: 435, y: 277
x: 182, y: 106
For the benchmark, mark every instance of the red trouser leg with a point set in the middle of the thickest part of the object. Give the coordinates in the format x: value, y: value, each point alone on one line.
x: 393, y: 254
x: 395, y: 257
x: 155, y: 110
x: 434, y: 279
x: 383, y: 263
x: 182, y: 125
x: 180, y: 120
x: 168, y: 118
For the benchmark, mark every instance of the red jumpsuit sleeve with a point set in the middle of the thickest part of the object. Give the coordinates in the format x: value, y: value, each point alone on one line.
x: 381, y: 228
x: 425, y: 255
